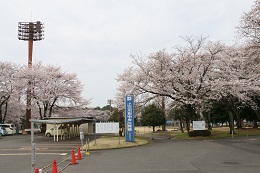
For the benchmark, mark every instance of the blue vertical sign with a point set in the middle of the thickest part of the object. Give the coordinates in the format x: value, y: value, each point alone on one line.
x: 129, y: 119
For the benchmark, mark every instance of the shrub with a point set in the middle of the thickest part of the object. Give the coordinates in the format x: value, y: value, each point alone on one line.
x: 199, y: 133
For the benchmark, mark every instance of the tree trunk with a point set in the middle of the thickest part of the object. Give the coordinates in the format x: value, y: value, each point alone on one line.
x: 231, y: 122
x: 257, y: 114
x: 1, y: 115
x: 4, y: 99
x: 5, y: 113
x: 190, y: 112
x: 163, y: 110
x: 40, y: 110
x: 209, y: 125
x: 43, y: 128
x: 45, y: 109
x: 239, y: 125
x: 52, y: 105
x: 188, y: 125
x: 153, y: 128
x: 255, y: 126
x: 181, y: 125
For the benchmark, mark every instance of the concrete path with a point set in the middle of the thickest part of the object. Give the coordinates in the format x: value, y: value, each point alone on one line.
x: 238, y: 155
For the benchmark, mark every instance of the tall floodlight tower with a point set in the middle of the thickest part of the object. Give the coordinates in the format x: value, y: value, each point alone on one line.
x: 109, y: 102
x: 30, y: 31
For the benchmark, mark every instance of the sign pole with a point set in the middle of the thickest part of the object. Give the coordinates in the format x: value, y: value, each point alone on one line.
x: 33, y: 154
x: 129, y: 119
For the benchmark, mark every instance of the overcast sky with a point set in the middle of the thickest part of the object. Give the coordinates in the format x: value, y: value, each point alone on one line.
x: 94, y: 38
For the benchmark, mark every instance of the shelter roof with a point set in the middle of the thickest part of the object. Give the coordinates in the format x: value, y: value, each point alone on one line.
x: 64, y: 120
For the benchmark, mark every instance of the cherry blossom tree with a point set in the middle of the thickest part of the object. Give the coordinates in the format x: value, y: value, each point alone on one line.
x: 249, y: 27
x: 15, y: 110
x: 185, y: 76
x: 252, y: 64
x: 201, y: 72
x: 8, y: 71
x: 249, y: 30
x: 50, y: 87
x: 230, y: 73
x: 239, y: 68
x: 135, y: 87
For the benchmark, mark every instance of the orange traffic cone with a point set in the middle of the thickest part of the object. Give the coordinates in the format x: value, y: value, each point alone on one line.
x: 54, y: 167
x: 36, y: 170
x: 79, y: 154
x: 73, y: 159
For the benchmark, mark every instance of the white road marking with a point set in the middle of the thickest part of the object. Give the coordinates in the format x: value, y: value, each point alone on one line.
x: 27, y: 154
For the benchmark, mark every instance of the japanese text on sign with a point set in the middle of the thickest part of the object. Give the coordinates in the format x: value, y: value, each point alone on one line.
x: 129, y: 118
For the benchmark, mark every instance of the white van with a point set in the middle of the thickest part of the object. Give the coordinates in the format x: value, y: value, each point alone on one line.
x: 62, y: 130
x: 10, y: 128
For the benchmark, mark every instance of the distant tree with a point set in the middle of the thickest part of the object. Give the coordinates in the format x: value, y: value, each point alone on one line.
x: 118, y: 116
x: 177, y: 114
x: 250, y: 115
x: 97, y: 108
x: 219, y: 112
x: 185, y: 114
x: 152, y: 116
x: 107, y: 107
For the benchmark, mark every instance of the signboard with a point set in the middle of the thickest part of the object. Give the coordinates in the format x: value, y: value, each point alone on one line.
x: 107, y: 127
x: 129, y: 119
x: 198, y: 125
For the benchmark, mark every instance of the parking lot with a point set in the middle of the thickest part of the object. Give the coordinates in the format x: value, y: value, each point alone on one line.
x: 15, y: 151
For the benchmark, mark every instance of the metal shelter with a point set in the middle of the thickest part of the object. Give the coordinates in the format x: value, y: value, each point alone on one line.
x: 71, y: 123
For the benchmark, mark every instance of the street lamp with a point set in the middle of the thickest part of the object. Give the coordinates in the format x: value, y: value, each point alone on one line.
x: 30, y: 31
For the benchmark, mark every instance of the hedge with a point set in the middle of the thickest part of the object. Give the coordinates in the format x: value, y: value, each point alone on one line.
x: 195, y: 133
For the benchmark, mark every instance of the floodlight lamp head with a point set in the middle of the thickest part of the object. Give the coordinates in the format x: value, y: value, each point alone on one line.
x: 30, y: 31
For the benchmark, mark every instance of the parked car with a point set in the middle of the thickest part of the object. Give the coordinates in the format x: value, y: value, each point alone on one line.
x: 3, y: 131
x: 10, y: 128
x: 61, y: 131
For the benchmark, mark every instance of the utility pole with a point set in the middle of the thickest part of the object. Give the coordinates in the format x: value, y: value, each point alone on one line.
x: 30, y: 31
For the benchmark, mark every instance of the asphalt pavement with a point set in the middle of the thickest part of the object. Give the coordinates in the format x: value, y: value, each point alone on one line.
x: 163, y: 155
x: 15, y: 152
x: 238, y: 155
